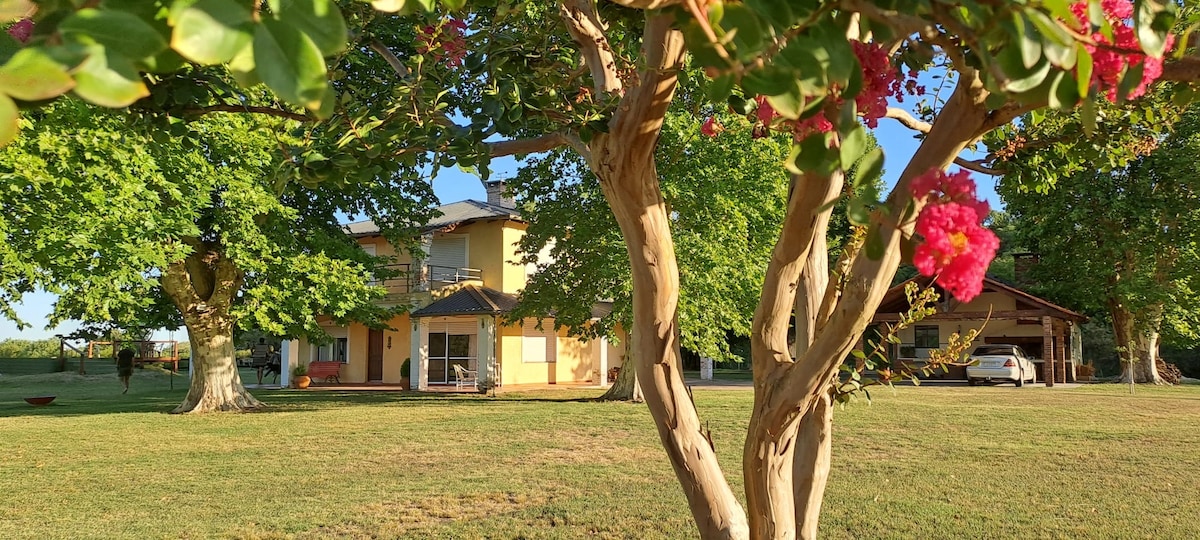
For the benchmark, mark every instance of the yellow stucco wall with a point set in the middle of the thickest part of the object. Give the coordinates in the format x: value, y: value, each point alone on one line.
x: 514, y: 273
x: 994, y: 328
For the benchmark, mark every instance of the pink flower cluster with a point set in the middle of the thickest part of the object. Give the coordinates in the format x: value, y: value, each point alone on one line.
x: 956, y: 246
x: 444, y: 42
x: 1111, y: 58
x: 712, y: 127
x: 880, y: 81
x: 21, y: 30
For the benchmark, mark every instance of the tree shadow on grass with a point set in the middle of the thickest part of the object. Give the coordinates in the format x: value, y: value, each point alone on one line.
x: 92, y: 397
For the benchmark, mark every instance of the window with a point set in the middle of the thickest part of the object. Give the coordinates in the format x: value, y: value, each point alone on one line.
x: 927, y: 337
x: 539, y: 346
x: 332, y: 352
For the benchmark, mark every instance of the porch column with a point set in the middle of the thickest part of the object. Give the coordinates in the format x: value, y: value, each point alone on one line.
x: 418, y: 366
x: 289, y: 355
x: 603, y: 367
x: 1048, y: 351
x: 1060, y: 353
x: 422, y: 265
x: 486, y: 347
x: 706, y: 368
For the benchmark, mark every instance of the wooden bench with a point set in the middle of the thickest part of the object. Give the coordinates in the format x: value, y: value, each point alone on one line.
x: 327, y: 371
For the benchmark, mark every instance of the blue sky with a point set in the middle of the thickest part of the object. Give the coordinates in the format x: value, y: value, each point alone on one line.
x: 454, y: 185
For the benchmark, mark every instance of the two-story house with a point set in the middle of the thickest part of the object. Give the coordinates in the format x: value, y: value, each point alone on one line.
x: 457, y: 298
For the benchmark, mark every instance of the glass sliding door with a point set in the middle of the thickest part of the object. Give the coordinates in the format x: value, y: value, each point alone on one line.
x: 437, y: 358
x: 448, y: 350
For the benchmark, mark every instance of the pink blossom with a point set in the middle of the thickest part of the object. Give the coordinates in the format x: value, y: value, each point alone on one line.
x: 21, y: 30
x: 712, y: 127
x: 766, y: 113
x: 957, y: 187
x: 445, y: 42
x: 955, y: 247
x: 1124, y: 50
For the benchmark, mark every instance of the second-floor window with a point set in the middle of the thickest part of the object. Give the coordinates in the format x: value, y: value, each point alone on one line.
x: 447, y: 254
x: 926, y: 337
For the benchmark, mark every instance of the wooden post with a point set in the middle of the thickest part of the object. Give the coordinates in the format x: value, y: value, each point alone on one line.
x: 1060, y: 345
x: 1048, y: 351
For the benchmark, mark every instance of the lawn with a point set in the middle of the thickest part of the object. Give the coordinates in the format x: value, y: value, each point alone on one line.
x: 945, y: 462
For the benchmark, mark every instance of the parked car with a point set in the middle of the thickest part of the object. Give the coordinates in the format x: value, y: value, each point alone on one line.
x: 1000, y: 363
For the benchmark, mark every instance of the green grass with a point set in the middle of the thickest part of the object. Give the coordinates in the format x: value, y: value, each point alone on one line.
x: 948, y: 462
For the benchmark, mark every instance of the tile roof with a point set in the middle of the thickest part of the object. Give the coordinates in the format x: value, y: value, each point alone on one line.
x: 470, y: 300
x: 452, y: 214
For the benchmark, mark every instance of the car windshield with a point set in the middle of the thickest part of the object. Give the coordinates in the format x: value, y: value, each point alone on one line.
x: 994, y: 350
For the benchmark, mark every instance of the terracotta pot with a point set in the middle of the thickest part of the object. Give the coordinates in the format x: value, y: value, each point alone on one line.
x: 405, y: 383
x: 301, y: 382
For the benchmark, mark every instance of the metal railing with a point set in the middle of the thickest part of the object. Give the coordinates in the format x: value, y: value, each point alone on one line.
x: 405, y: 278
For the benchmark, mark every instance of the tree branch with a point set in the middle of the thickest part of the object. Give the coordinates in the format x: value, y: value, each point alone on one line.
x: 232, y: 108
x: 907, y: 120
x: 535, y: 145
x: 392, y: 60
x: 647, y: 4
x: 586, y: 28
x: 978, y: 166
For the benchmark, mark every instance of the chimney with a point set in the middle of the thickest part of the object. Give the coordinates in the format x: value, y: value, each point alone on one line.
x: 1022, y: 264
x: 497, y: 196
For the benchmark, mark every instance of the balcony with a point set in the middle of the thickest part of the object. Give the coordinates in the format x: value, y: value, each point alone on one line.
x: 406, y: 280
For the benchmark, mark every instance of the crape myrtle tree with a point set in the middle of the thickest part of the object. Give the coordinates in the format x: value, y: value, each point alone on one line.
x: 1119, y: 235
x: 495, y: 78
x: 133, y: 226
x: 725, y: 192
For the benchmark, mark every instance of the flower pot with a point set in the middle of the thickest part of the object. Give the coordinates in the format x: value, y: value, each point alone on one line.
x: 301, y: 382
x: 405, y: 383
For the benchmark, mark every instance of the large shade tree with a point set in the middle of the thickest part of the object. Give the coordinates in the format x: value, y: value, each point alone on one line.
x: 1120, y: 239
x: 524, y: 77
x: 204, y: 229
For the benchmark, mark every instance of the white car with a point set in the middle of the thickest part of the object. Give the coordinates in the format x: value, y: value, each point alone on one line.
x: 1000, y: 363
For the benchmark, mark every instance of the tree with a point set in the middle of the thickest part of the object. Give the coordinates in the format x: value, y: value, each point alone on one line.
x: 724, y: 222
x: 131, y: 226
x: 29, y: 348
x: 1120, y: 239
x: 599, y: 79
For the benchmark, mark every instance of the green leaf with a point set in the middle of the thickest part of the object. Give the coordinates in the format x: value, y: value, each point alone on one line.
x: 720, y: 88
x: 9, y: 120
x: 388, y: 6
x: 120, y: 31
x: 242, y: 68
x: 1030, y: 80
x: 870, y: 167
x: 811, y: 155
x: 210, y: 31
x: 290, y: 64
x: 1152, y: 21
x: 320, y: 19
x: 748, y: 31
x: 32, y: 76
x: 857, y: 212
x: 1027, y: 38
x: 874, y: 245
x: 109, y: 80
x: 853, y: 146
x: 740, y: 105
x: 1083, y: 71
x: 789, y: 104
x: 1087, y: 114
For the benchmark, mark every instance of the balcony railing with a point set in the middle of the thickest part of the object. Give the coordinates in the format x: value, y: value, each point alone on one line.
x: 408, y: 279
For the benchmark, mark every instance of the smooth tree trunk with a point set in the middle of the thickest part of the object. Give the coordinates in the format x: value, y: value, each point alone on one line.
x: 623, y: 160
x: 625, y: 388
x: 202, y: 287
x: 1137, y: 338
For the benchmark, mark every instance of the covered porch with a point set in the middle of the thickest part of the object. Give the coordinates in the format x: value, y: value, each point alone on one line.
x: 457, y: 331
x: 1048, y: 333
